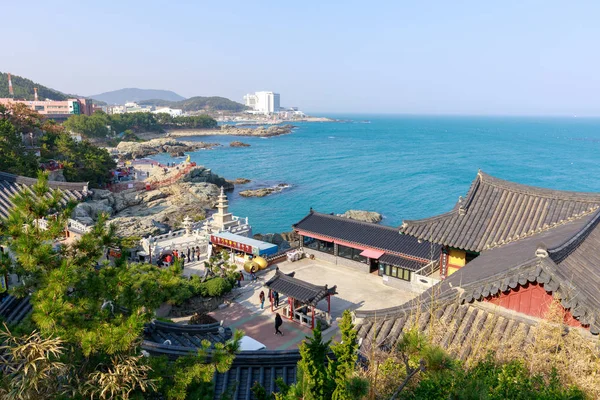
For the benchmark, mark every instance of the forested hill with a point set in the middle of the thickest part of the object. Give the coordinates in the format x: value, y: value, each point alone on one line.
x: 198, y: 103
x: 122, y: 96
x: 23, y: 89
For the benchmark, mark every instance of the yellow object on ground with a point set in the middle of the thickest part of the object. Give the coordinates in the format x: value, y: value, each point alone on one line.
x: 248, y: 266
x: 262, y: 263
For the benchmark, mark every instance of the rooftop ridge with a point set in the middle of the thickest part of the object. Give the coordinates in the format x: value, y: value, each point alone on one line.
x: 5, y: 176
x: 536, y: 190
x: 355, y: 221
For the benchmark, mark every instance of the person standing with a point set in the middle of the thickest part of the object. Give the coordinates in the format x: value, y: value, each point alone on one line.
x: 193, y: 253
x: 188, y: 255
x: 278, y: 323
x: 276, y: 298
x: 261, y: 297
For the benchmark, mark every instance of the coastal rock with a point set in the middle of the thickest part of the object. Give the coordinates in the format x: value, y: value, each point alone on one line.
x: 140, y: 213
x: 360, y: 215
x: 262, y: 192
x: 261, y: 131
x: 238, y: 144
x: 202, y: 174
x: 162, y: 145
x: 240, y: 181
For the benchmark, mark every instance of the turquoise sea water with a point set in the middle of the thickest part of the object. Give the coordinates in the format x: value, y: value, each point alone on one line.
x: 405, y: 167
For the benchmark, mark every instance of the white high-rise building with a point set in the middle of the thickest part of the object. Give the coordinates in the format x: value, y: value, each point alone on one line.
x: 263, y: 102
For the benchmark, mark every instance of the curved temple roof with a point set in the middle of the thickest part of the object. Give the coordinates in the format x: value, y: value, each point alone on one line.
x: 10, y: 185
x: 496, y: 212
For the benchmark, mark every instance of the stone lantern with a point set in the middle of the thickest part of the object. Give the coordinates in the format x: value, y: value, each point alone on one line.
x: 187, y: 225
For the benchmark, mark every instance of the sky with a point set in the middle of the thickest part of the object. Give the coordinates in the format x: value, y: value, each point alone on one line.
x: 407, y: 57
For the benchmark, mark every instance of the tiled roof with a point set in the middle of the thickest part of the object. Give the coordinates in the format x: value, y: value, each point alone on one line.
x: 10, y: 185
x: 263, y: 366
x: 13, y: 309
x: 384, y: 238
x: 305, y: 292
x: 174, y: 340
x: 564, y: 260
x: 496, y: 212
x: 460, y: 329
x: 402, y: 262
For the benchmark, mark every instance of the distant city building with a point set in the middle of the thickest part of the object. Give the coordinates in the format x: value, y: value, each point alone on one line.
x: 54, y: 108
x: 263, y: 102
x: 129, y: 107
x: 173, y: 112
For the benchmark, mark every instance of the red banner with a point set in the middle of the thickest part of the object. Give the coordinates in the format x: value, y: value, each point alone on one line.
x: 231, y: 244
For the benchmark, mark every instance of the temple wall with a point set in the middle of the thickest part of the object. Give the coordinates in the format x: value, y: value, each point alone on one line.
x: 337, y: 260
x: 531, y: 299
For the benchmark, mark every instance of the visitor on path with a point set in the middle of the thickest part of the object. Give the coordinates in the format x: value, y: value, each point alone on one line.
x: 198, y: 253
x: 240, y: 278
x: 253, y: 273
x: 188, y: 254
x: 261, y: 297
x: 278, y: 323
x: 182, y: 261
x: 276, y: 298
x: 193, y: 253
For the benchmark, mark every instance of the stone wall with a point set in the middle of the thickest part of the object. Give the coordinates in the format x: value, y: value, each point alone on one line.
x: 194, y: 305
x: 400, y: 284
x: 337, y: 260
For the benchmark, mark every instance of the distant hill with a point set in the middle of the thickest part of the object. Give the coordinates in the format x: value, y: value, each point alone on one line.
x: 122, y: 96
x: 23, y: 89
x: 198, y: 103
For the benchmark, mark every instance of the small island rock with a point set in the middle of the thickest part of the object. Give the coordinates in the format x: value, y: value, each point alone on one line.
x: 238, y: 144
x: 364, y: 216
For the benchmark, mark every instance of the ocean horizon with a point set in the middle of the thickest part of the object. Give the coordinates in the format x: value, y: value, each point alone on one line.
x: 402, y: 166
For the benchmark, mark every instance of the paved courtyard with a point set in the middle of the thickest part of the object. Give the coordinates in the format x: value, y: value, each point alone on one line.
x: 357, y: 290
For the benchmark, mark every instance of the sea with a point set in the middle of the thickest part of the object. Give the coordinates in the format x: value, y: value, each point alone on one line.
x: 404, y: 167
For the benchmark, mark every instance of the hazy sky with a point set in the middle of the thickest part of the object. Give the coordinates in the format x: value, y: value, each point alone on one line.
x: 438, y: 57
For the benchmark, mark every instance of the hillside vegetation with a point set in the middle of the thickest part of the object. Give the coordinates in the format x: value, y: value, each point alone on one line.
x: 198, y: 103
x: 82, y: 161
x: 96, y: 125
x: 123, y: 96
x: 23, y: 89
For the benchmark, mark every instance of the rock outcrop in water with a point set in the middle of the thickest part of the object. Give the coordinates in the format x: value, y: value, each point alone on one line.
x: 360, y: 215
x: 163, y: 145
x: 238, y: 144
x: 262, y: 192
x: 261, y: 131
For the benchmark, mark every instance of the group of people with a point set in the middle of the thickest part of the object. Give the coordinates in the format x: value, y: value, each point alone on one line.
x: 274, y: 295
x: 192, y: 254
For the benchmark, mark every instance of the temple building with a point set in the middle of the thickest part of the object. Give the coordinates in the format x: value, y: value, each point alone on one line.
x: 402, y: 261
x: 224, y: 221
x: 511, y: 252
x: 195, y: 234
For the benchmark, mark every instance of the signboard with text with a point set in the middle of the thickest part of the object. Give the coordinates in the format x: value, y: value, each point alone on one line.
x: 246, y: 248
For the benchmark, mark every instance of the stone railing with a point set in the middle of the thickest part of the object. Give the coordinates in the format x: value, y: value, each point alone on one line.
x: 77, y: 226
x: 423, y: 277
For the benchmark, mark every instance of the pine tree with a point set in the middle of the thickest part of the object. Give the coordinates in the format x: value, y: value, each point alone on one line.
x: 313, y: 378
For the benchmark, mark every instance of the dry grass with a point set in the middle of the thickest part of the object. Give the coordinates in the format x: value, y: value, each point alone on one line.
x: 541, y: 345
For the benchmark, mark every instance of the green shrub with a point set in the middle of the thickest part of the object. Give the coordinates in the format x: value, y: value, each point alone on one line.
x: 217, y: 287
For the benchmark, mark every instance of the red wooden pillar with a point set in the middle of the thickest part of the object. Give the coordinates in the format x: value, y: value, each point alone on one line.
x: 312, y: 325
x: 291, y: 303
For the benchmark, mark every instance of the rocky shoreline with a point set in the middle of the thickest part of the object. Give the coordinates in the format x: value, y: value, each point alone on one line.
x: 150, y: 212
x: 361, y: 215
x: 174, y: 147
x: 232, y: 130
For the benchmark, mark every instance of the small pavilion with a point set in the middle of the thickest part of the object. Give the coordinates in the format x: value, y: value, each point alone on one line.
x: 303, y: 297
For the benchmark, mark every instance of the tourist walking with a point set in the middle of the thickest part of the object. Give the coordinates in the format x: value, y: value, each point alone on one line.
x: 278, y: 323
x: 240, y: 278
x: 253, y: 273
x: 193, y: 253
x: 276, y: 298
x: 261, y: 297
x: 188, y: 254
x: 197, y: 253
